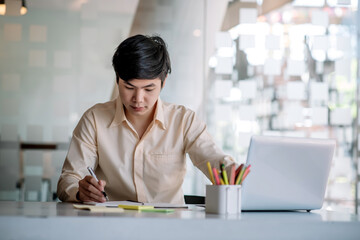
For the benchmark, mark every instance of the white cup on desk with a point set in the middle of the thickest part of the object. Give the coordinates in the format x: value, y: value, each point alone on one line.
x: 223, y: 199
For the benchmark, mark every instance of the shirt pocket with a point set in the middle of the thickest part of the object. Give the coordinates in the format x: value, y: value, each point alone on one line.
x: 165, y: 170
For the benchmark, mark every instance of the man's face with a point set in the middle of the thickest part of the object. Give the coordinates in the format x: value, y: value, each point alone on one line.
x: 139, y: 96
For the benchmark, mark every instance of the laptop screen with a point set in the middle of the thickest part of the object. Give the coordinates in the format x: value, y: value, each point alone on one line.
x: 287, y: 173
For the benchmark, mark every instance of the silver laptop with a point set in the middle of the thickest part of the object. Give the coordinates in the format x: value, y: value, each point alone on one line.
x: 287, y: 173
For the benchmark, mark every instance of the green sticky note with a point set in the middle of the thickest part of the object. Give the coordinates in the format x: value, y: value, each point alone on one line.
x: 160, y: 210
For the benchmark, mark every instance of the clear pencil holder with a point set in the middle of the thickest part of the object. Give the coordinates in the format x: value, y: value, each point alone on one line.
x: 223, y: 199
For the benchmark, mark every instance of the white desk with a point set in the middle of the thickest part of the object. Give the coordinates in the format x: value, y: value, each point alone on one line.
x: 49, y: 220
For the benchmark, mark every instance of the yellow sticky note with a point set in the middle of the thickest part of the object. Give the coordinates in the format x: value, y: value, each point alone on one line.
x: 135, y: 207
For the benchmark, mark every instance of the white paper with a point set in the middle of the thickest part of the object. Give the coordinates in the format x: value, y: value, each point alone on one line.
x: 247, y: 112
x: 132, y: 203
x: 246, y: 41
x: 62, y: 59
x: 295, y: 90
x: 272, y: 67
x: 223, y: 39
x: 272, y: 42
x: 34, y: 133
x: 37, y: 58
x: 248, y: 89
x: 224, y: 65
x: 222, y: 88
x: 295, y: 67
x: 340, y: 116
x: 319, y: 91
x: 38, y: 33
x: 248, y: 15
x: 320, y: 43
x: 319, y: 17
x: 319, y: 116
x: 12, y: 32
x: 10, y: 82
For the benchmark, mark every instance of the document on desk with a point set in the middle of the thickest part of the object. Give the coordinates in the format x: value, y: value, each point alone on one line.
x: 103, y: 209
x: 131, y: 203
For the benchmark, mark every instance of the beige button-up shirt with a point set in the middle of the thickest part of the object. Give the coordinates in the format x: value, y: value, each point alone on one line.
x: 150, y: 169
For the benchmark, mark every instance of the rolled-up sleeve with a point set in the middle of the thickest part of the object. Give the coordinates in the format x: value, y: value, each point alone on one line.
x: 82, y: 153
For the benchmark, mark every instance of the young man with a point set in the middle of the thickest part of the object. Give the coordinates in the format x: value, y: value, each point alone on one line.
x: 136, y: 143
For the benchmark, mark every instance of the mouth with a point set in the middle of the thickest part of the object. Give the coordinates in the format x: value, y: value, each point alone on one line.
x: 138, y: 109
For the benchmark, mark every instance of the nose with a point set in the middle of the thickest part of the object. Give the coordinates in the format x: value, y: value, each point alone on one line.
x: 138, y: 96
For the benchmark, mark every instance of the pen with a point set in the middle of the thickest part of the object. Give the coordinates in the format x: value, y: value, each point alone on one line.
x: 210, y: 173
x: 94, y: 176
x: 222, y: 181
x: 232, y: 175
x: 217, y: 180
x: 220, y: 178
x: 241, y: 173
x: 223, y: 171
x: 245, y: 174
x: 238, y: 170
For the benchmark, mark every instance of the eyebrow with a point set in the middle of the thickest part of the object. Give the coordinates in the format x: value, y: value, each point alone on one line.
x: 150, y: 85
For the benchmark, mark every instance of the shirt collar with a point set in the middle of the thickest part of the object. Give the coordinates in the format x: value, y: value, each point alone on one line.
x: 119, y: 116
x: 159, y: 113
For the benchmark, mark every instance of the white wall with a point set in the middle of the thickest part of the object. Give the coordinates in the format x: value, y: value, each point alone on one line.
x: 55, y: 62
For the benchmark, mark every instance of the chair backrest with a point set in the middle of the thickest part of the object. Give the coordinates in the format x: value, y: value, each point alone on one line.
x: 194, y: 199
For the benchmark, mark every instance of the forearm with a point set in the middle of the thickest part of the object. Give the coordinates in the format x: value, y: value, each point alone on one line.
x: 67, y: 188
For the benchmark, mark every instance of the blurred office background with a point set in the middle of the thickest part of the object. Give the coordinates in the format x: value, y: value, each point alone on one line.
x: 284, y: 68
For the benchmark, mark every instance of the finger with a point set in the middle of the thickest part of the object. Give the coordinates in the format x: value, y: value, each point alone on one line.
x: 89, y: 187
x: 97, y: 197
x: 84, y: 198
x: 92, y: 180
x: 102, y: 184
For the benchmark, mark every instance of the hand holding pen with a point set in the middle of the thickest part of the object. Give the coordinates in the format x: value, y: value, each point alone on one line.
x: 91, y: 189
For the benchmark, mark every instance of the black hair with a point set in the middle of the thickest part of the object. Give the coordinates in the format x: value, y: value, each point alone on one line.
x: 141, y: 57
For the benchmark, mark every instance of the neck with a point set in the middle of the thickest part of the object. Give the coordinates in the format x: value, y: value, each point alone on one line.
x: 141, y: 123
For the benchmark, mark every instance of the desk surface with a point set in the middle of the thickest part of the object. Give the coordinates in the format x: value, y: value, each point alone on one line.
x: 39, y: 220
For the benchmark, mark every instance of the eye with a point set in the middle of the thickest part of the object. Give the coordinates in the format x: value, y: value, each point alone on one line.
x: 149, y: 90
x: 130, y: 88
